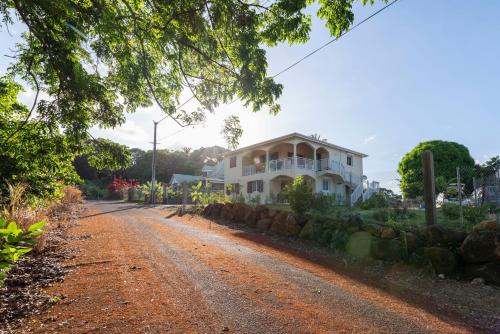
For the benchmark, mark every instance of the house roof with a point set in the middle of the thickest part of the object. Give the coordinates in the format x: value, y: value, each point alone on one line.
x: 183, y: 178
x: 207, y: 168
x: 296, y: 135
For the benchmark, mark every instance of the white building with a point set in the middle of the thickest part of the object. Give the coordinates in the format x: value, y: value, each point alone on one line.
x: 264, y: 169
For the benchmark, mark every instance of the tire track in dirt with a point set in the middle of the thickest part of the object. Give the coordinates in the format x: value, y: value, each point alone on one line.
x: 117, y: 286
x: 291, y: 288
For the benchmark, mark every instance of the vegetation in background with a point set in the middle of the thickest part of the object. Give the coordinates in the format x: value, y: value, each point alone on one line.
x: 377, y: 201
x: 145, y: 190
x: 168, y: 162
x: 299, y: 195
x: 447, y: 157
x: 42, y: 157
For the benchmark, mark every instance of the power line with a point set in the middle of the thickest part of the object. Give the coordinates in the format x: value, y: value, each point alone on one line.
x: 184, y: 103
x: 310, y: 53
x: 274, y: 76
x: 328, y: 43
x: 335, y: 39
x: 173, y: 134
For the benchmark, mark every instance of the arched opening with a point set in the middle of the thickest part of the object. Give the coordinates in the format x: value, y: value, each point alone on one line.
x: 280, y: 157
x: 322, y: 158
x: 254, y: 162
x: 305, y: 156
x: 277, y: 188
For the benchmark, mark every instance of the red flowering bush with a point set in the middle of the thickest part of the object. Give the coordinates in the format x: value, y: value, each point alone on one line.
x: 118, y: 184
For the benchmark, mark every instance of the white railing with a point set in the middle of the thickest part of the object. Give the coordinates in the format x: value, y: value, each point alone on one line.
x: 357, y: 193
x: 334, y: 166
x: 280, y: 164
x: 254, y: 169
x: 288, y: 163
x: 371, y: 189
x: 304, y: 163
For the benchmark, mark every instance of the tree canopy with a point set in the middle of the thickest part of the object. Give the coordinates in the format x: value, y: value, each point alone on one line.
x: 168, y: 162
x: 96, y: 59
x: 447, y: 157
x: 40, y: 156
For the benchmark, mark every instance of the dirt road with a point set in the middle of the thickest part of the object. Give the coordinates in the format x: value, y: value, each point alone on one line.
x: 139, y: 272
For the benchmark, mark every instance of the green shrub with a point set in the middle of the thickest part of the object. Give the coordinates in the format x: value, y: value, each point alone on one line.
x: 299, y: 195
x: 377, y: 201
x: 451, y: 211
x: 382, y: 215
x: 339, y: 239
x: 323, y: 202
x: 94, y: 190
x: 14, y: 243
x: 145, y: 190
x: 474, y: 215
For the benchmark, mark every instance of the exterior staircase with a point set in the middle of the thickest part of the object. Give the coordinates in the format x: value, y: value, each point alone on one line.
x: 364, y: 191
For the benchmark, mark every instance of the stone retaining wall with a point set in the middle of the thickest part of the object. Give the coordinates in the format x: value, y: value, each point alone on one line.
x: 451, y: 252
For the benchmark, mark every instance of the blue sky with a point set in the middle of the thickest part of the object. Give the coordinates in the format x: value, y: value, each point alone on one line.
x: 421, y: 70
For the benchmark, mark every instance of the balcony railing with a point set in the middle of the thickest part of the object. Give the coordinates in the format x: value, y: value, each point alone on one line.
x: 254, y: 169
x: 299, y: 163
x: 331, y: 165
x: 304, y: 163
x: 280, y: 164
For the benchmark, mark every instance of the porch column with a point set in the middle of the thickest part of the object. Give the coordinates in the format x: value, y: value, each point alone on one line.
x: 294, y: 155
x: 314, y: 160
x: 266, y: 169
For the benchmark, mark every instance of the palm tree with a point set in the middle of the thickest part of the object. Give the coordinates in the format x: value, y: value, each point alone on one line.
x: 316, y: 136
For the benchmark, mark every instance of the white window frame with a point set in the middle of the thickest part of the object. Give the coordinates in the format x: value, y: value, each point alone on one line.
x: 327, y: 183
x: 254, y: 186
x: 349, y: 160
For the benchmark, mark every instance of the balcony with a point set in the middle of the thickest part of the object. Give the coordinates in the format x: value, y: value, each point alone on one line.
x: 289, y: 163
x: 254, y: 169
x: 327, y: 166
x: 299, y: 165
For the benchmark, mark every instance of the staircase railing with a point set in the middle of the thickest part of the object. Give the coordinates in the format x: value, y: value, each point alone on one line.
x: 356, y: 194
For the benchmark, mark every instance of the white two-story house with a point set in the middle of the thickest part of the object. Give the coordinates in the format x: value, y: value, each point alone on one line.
x: 264, y: 169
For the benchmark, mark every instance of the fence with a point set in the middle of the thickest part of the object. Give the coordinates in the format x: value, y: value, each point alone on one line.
x: 468, y: 190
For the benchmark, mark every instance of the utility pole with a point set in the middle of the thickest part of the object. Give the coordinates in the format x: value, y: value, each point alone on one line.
x: 429, y: 188
x: 153, y: 167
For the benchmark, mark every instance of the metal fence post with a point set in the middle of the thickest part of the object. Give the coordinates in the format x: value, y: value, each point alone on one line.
x: 459, y: 189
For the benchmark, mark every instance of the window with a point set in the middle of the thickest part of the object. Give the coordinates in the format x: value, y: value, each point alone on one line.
x: 326, y: 185
x: 274, y: 156
x: 232, y: 162
x: 255, y: 186
x: 349, y: 160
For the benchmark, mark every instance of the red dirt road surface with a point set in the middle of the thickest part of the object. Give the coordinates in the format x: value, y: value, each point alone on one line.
x: 139, y: 272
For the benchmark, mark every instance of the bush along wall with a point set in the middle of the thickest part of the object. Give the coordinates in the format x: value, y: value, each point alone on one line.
x: 450, y: 252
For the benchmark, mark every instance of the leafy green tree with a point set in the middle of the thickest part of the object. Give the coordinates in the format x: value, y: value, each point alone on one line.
x: 98, y: 59
x: 447, y: 157
x: 232, y: 131
x: 42, y: 157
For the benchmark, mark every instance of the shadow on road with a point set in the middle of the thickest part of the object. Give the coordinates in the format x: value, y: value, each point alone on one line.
x: 123, y: 207
x: 318, y: 256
